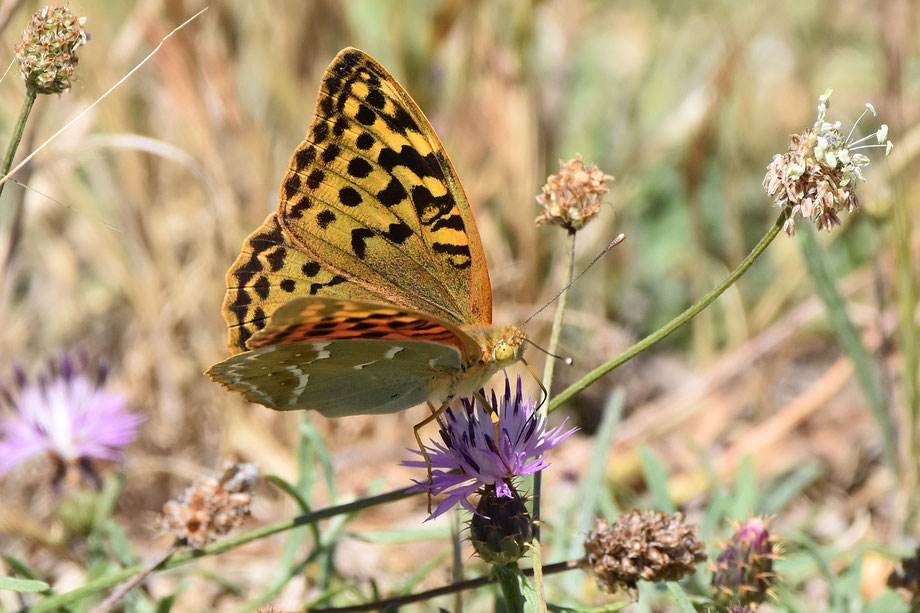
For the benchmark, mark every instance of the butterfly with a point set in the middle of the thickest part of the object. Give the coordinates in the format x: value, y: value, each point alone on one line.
x: 366, y: 291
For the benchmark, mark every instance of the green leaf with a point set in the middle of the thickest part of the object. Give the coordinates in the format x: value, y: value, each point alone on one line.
x: 22, y: 585
x: 864, y: 365
x: 745, y: 496
x: 289, y: 489
x: 683, y: 601
x: 888, y: 602
x: 656, y: 477
x: 788, y: 486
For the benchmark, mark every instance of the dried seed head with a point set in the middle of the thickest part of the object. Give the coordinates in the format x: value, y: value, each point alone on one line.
x: 501, y: 529
x: 817, y: 177
x: 47, y: 52
x: 572, y: 197
x: 642, y: 545
x: 211, y: 507
x: 743, y: 573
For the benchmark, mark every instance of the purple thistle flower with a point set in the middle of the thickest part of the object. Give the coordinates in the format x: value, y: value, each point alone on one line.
x: 468, y: 445
x: 65, y: 414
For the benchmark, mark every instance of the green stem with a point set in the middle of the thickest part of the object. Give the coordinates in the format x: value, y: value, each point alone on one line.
x: 550, y: 364
x: 18, y: 130
x: 580, y: 385
x: 182, y: 557
x: 557, y: 318
x: 509, y: 579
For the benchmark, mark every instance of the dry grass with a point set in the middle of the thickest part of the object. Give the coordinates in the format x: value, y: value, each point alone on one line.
x: 133, y: 217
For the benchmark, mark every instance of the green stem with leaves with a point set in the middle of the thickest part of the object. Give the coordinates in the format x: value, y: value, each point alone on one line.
x: 59, y: 600
x: 582, y: 384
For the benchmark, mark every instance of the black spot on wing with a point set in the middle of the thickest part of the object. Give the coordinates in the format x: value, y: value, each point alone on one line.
x: 454, y: 222
x: 324, y: 218
x: 316, y: 178
x: 261, y: 287
x: 291, y: 185
x: 398, y: 233
x: 451, y: 249
x: 366, y: 115
x: 331, y: 152
x: 393, y: 193
x: 276, y: 259
x: 325, y: 107
x: 310, y: 269
x: 298, y: 208
x: 429, y: 208
x: 422, y: 166
x: 320, y: 132
x: 316, y: 287
x: 333, y: 83
x: 376, y: 98
x: 364, y: 141
x: 349, y: 196
x: 359, y: 168
x: 358, y: 238
x: 304, y: 157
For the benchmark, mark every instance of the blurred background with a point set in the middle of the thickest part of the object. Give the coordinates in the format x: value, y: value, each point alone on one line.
x: 131, y: 218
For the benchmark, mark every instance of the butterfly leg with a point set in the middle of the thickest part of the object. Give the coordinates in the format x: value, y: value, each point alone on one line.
x: 435, y: 415
x: 493, y: 413
x: 539, y: 382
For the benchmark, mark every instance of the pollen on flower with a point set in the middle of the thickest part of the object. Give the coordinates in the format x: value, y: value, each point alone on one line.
x: 211, y: 507
x: 572, y: 197
x: 47, y: 51
x: 817, y: 177
x: 642, y: 545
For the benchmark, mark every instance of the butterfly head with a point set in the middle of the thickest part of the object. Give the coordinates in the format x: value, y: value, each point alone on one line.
x: 508, y: 347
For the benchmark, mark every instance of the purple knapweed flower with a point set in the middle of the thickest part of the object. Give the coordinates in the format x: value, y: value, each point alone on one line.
x: 66, y: 414
x: 468, y: 445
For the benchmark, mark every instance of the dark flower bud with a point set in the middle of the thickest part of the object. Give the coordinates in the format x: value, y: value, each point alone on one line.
x: 744, y: 569
x: 501, y: 529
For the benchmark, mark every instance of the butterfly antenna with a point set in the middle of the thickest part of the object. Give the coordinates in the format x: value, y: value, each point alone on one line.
x: 619, y: 239
x: 567, y: 360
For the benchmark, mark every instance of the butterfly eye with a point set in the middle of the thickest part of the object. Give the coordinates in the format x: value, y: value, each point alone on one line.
x: 503, y: 352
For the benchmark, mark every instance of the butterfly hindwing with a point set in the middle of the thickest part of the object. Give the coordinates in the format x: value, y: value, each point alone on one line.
x: 371, y: 207
x: 339, y: 377
x: 321, y: 318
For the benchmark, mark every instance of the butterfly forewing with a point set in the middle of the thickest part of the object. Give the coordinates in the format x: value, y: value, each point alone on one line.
x: 269, y: 273
x: 371, y: 206
x: 339, y: 377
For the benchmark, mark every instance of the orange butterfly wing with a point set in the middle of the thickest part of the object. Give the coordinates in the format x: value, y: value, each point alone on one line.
x: 370, y: 210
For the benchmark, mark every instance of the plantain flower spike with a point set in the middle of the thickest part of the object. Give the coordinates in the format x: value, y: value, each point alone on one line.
x: 817, y: 177
x: 47, y: 51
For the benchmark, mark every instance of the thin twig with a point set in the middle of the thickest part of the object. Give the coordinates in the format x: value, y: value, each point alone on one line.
x: 130, y: 584
x: 470, y: 584
x: 82, y: 113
